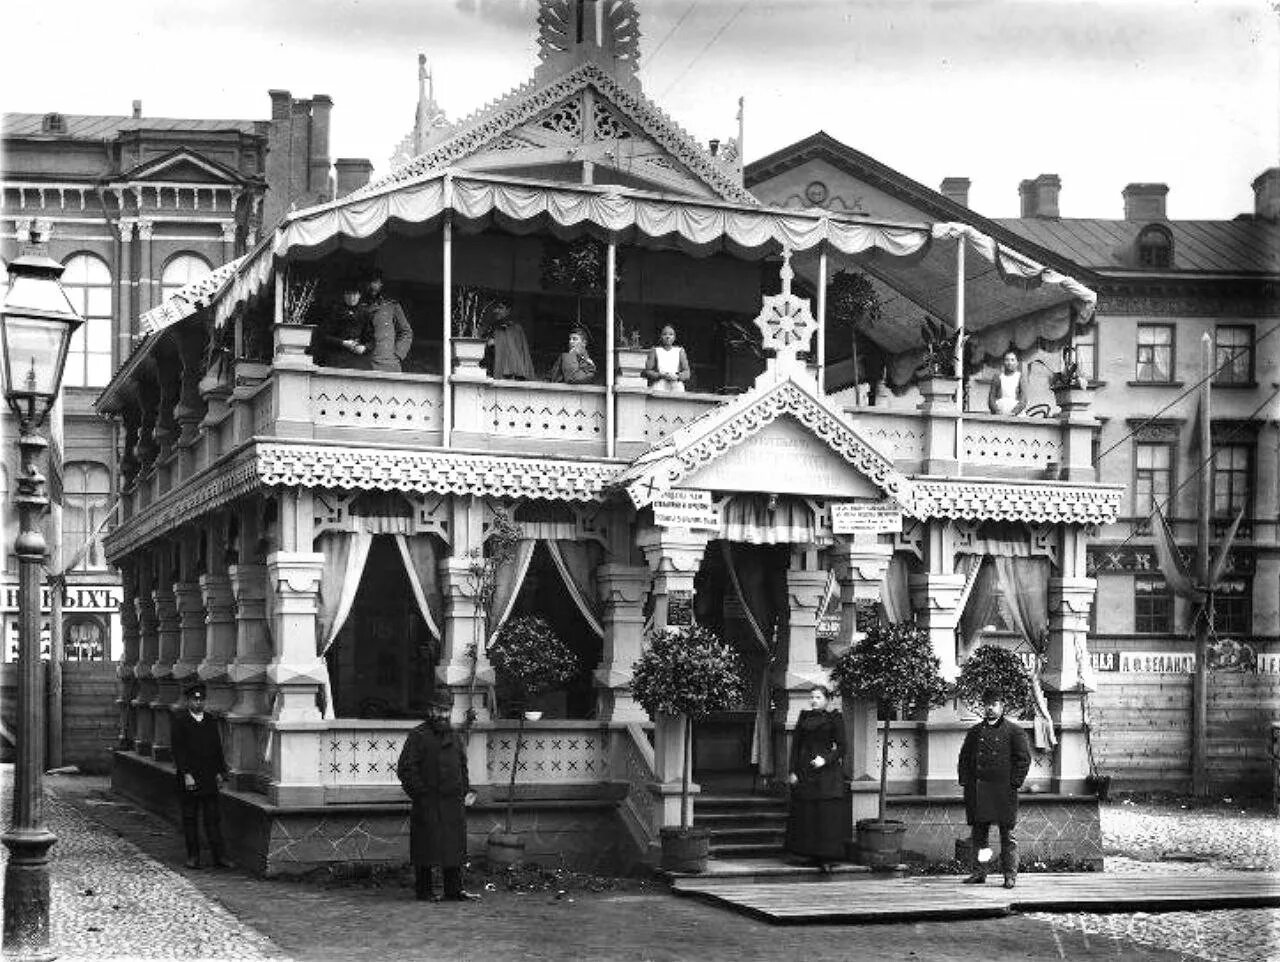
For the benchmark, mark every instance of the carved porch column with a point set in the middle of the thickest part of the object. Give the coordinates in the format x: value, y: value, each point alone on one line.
x: 215, y: 392
x: 1067, y: 668
x: 191, y: 614
x: 248, y: 673
x: 464, y: 665
x: 220, y: 618
x: 623, y: 588
x: 190, y: 409
x: 802, y: 673
x: 127, y: 670
x: 148, y: 650
x: 168, y: 695
x: 673, y: 555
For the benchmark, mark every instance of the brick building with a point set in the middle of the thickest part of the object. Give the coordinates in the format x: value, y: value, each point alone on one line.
x: 136, y: 208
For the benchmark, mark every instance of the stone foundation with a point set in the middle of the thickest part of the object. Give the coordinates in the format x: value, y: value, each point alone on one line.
x: 1049, y: 827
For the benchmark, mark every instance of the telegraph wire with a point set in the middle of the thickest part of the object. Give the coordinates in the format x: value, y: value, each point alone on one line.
x: 709, y: 44
x: 671, y: 33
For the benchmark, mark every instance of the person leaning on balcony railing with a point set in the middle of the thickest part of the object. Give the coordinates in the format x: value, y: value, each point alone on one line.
x: 511, y: 358
x: 343, y: 337
x: 667, y: 366
x: 575, y: 366
x: 1008, y: 388
x: 389, y: 328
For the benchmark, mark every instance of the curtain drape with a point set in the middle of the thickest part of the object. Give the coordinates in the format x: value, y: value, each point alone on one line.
x: 420, y: 565
x: 748, y: 519
x: 748, y: 580
x: 507, y: 586
x: 982, y: 603
x: 1024, y: 592
x: 345, y: 554
x: 895, y: 591
x: 577, y: 562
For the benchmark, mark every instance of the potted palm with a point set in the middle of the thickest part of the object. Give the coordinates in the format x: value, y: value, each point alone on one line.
x: 852, y: 302
x: 893, y: 665
x: 937, y: 371
x: 531, y: 657
x: 687, y: 672
x: 467, y: 325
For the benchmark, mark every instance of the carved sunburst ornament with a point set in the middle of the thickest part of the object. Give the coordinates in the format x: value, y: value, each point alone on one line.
x: 785, y: 320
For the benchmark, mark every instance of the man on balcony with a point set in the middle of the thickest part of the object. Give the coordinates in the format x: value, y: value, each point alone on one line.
x: 575, y: 366
x: 390, y: 330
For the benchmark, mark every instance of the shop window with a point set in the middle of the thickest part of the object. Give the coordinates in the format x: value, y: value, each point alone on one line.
x: 84, y: 639
x: 1233, y: 607
x: 86, y: 496
x: 1233, y: 354
x: 87, y: 281
x: 181, y: 270
x: 1152, y: 605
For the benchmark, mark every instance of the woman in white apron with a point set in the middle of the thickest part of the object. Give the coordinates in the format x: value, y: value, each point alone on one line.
x: 1008, y: 389
x: 667, y: 367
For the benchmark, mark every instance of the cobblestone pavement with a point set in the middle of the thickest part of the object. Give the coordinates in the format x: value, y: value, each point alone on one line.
x: 112, y: 901
x: 1173, y: 839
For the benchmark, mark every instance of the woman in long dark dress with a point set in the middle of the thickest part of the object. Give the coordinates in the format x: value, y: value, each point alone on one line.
x: 818, y: 821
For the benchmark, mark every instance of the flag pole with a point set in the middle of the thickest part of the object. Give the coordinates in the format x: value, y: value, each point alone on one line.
x: 1200, y: 681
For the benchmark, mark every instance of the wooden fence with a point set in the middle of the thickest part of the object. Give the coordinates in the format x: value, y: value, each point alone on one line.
x: 1142, y: 731
x: 89, y: 714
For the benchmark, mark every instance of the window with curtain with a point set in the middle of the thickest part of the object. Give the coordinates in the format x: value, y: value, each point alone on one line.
x: 87, y: 281
x: 1233, y: 607
x: 1233, y: 354
x: 1152, y: 477
x: 1086, y: 346
x: 181, y: 270
x: 1152, y: 605
x: 1155, y: 354
x: 86, y: 498
x: 1232, y: 471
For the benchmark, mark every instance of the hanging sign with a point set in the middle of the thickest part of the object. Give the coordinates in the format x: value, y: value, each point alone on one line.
x: 679, y: 609
x: 685, y: 508
x: 865, y: 517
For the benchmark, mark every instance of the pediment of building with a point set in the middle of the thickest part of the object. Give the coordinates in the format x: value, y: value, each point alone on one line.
x: 184, y: 166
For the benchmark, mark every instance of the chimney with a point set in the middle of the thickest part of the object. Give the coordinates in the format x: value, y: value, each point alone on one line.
x: 956, y: 190
x: 278, y: 165
x: 1266, y: 194
x: 318, y: 154
x: 1040, y: 196
x: 1145, y: 202
x: 353, y: 173
x: 137, y: 110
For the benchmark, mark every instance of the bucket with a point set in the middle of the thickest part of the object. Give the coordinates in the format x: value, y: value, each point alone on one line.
x: 880, y: 843
x: 503, y: 850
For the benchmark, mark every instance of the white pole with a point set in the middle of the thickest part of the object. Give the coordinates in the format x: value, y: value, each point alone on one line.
x: 611, y: 259
x: 960, y: 378
x: 822, y: 327
x: 446, y: 339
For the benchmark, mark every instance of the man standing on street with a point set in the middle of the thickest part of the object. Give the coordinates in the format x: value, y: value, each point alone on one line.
x: 392, y: 335
x: 201, y: 767
x: 433, y: 771
x: 994, y: 761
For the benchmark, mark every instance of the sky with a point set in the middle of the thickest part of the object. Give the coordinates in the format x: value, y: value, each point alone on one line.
x: 1182, y: 92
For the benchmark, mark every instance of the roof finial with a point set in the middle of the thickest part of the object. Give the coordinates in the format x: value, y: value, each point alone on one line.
x: 606, y: 32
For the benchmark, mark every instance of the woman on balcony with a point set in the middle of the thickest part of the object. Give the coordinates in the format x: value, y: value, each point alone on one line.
x: 667, y: 367
x: 511, y: 359
x: 1008, y: 389
x: 575, y: 366
x: 343, y: 337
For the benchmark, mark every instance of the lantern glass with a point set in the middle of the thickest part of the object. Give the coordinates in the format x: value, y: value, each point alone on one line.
x: 35, y: 349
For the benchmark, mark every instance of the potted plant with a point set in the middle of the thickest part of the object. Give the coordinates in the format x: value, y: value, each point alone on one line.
x: 687, y: 672
x: 1069, y: 385
x: 579, y: 267
x: 468, y: 335
x: 852, y: 302
x: 994, y: 667
x: 895, y: 666
x: 631, y: 355
x: 530, y: 655
x: 292, y: 337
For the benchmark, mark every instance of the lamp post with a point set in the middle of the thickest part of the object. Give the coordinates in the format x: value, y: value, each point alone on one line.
x: 36, y: 324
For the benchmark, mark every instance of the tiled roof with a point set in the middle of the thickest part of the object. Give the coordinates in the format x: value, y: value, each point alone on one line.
x: 89, y: 127
x: 1204, y: 246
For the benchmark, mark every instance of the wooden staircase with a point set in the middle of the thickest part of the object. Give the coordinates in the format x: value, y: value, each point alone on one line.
x: 742, y: 825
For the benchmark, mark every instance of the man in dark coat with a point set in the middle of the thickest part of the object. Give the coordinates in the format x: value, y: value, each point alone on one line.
x: 433, y: 771
x: 389, y: 330
x: 344, y: 337
x: 200, y: 767
x: 994, y: 761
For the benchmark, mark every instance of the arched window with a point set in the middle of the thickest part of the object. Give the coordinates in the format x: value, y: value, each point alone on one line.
x: 1155, y: 247
x: 87, y: 281
x: 86, y: 495
x: 181, y: 270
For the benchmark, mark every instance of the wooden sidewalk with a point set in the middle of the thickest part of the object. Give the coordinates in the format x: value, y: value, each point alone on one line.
x: 856, y: 899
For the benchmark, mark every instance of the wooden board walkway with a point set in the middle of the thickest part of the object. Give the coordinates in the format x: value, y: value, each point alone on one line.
x: 861, y: 899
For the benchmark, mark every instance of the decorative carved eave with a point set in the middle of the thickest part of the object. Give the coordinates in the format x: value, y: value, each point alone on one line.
x: 699, y: 443
x: 532, y: 99
x: 1041, y: 502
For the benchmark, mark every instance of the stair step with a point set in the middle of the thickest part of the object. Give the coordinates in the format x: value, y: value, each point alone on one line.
x: 744, y: 849
x: 738, y: 818
x: 741, y: 801
x: 752, y: 835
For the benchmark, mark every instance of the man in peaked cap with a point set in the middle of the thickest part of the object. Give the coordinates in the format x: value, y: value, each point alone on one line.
x: 433, y: 771
x: 994, y: 761
x: 201, y: 768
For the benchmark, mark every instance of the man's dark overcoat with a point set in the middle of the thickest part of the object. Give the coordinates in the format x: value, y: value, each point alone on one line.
x: 433, y: 771
x: 994, y: 761
x: 197, y: 751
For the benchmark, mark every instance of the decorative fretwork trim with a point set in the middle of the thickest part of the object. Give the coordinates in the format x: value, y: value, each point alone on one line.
x: 1035, y: 503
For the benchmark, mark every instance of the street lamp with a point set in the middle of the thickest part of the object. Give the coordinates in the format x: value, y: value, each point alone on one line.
x: 36, y: 324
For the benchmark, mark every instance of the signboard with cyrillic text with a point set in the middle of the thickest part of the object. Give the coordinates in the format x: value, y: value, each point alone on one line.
x: 865, y: 517
x: 685, y: 508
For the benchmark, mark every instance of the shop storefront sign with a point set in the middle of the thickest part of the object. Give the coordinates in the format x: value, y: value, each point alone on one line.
x: 104, y: 598
x: 686, y: 508
x: 865, y: 517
